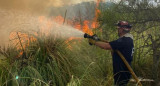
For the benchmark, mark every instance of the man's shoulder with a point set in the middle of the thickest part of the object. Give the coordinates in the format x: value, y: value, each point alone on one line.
x: 128, y: 35
x: 125, y: 38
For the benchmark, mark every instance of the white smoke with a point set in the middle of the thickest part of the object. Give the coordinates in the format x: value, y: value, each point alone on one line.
x: 18, y: 15
x: 36, y: 6
x: 17, y: 21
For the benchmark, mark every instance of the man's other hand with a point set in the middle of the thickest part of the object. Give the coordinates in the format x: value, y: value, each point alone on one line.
x: 91, y: 41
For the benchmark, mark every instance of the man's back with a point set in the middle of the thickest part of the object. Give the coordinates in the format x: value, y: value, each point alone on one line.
x: 125, y: 46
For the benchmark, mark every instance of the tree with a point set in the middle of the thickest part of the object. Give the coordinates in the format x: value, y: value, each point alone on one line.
x: 146, y: 27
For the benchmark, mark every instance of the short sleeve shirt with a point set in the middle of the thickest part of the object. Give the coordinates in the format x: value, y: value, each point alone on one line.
x: 125, y: 46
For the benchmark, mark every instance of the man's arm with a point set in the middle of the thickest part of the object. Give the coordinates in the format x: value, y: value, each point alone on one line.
x: 103, y: 45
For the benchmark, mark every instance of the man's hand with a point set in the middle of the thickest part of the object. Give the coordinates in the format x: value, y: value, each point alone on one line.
x: 91, y: 41
x: 95, y: 37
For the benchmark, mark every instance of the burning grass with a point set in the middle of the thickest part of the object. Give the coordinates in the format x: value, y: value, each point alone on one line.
x: 49, y: 62
x: 41, y: 63
x: 46, y: 61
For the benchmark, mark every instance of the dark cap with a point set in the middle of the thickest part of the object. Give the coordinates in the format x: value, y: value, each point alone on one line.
x: 123, y: 24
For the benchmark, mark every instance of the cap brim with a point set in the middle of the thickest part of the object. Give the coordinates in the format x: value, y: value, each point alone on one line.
x: 115, y: 24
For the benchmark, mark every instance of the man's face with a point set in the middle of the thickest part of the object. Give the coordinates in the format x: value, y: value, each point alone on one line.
x: 120, y: 31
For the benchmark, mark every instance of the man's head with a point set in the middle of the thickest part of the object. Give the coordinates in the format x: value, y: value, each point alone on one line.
x: 123, y: 27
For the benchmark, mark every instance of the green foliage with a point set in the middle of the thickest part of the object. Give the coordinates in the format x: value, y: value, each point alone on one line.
x: 145, y: 22
x: 57, y: 62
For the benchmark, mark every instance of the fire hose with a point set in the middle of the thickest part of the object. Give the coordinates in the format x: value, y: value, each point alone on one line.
x: 95, y: 37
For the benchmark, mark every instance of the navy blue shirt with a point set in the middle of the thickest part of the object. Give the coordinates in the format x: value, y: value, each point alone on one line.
x: 125, y: 46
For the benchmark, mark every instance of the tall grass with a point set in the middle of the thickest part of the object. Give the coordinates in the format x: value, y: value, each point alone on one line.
x: 55, y: 62
x: 51, y: 62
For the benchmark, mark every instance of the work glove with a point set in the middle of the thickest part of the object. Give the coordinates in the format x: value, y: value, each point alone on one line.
x: 91, y: 41
x: 95, y: 37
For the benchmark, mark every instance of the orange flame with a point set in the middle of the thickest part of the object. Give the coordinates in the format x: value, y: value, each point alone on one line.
x: 58, y: 19
x: 86, y: 26
x: 97, y: 12
x: 22, y: 38
x: 19, y: 55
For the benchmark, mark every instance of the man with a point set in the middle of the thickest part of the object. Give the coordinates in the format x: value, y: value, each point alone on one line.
x: 125, y: 45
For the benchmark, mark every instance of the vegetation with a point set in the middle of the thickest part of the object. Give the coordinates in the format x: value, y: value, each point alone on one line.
x: 145, y: 19
x: 55, y: 62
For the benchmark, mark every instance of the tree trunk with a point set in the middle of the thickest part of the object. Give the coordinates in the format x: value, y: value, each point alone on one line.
x: 156, y: 57
x: 156, y: 60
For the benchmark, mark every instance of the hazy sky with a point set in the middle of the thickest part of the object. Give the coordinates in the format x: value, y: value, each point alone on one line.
x: 35, y: 5
x: 38, y: 6
x: 26, y: 3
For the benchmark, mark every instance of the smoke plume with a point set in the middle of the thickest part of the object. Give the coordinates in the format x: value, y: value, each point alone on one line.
x: 17, y: 15
x: 15, y: 21
x: 35, y: 6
